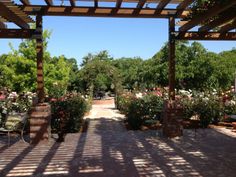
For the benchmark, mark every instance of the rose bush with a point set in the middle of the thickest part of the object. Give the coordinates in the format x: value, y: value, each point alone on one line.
x: 140, y: 109
x: 68, y: 113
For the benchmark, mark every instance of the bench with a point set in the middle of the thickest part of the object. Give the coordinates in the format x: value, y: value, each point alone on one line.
x: 15, y: 122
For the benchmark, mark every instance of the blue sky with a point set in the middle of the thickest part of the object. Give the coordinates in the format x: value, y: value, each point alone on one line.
x: 77, y: 36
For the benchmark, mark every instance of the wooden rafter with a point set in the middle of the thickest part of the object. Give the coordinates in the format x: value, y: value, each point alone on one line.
x: 13, y: 14
x: 25, y: 2
x: 226, y: 17
x: 72, y: 2
x: 206, y: 36
x: 49, y: 2
x: 2, y: 25
x: 139, y: 6
x: 99, y: 12
x: 161, y: 5
x: 17, y: 33
x: 2, y: 19
x: 216, y: 9
x: 118, y: 3
x: 182, y: 6
x: 228, y: 27
x: 95, y: 3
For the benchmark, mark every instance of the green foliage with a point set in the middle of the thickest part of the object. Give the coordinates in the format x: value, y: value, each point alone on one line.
x: 207, y: 107
x: 196, y: 69
x: 67, y: 113
x: 130, y: 70
x: 98, y: 74
x: 57, y: 72
x: 140, y: 110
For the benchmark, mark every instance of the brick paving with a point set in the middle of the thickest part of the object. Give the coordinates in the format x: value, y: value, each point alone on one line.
x: 108, y: 150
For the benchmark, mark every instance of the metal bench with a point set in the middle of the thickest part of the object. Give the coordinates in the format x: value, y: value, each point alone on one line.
x: 15, y: 123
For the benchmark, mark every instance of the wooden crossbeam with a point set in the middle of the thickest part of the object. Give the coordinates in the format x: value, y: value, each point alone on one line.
x: 226, y: 17
x: 49, y: 2
x: 3, y: 19
x: 139, y: 6
x: 228, y: 27
x: 161, y: 5
x: 25, y: 2
x: 216, y: 9
x: 230, y: 36
x: 182, y: 6
x: 118, y: 3
x: 18, y: 33
x: 6, y: 13
x: 98, y: 12
x: 72, y: 2
x: 95, y: 3
x: 2, y: 25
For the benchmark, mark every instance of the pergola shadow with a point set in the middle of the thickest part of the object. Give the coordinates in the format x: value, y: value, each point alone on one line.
x: 110, y: 150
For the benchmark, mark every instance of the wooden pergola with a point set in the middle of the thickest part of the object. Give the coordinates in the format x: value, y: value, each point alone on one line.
x: 24, y: 12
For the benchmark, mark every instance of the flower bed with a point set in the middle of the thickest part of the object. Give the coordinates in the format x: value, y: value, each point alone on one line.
x: 199, y: 108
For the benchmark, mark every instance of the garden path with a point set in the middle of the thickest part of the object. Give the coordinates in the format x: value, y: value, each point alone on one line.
x: 108, y: 150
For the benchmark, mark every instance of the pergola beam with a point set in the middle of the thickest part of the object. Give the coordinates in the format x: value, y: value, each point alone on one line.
x: 161, y: 5
x: 226, y: 17
x: 182, y: 6
x: 216, y: 9
x: 228, y: 27
x: 72, y: 3
x: 25, y: 2
x: 206, y: 36
x: 139, y: 6
x: 6, y: 13
x: 2, y: 25
x: 95, y: 3
x: 49, y: 2
x: 18, y: 33
x: 118, y: 3
x: 98, y: 12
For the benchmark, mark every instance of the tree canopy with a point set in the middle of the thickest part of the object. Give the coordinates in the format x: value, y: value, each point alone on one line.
x: 196, y: 69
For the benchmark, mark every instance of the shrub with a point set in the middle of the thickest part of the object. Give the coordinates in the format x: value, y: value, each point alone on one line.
x: 230, y: 104
x: 208, y: 107
x: 123, y: 101
x: 67, y: 113
x: 139, y: 110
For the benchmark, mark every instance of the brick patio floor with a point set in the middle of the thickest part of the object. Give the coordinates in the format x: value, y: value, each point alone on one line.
x: 108, y: 150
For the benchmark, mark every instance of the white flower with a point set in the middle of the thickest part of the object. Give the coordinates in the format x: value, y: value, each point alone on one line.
x: 230, y: 103
x: 139, y: 95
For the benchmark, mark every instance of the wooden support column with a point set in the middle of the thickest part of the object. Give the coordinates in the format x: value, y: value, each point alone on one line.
x: 172, y: 111
x: 39, y: 50
x: 171, y: 58
x: 40, y: 117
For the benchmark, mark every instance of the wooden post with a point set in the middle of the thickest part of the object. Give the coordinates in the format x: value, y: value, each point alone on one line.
x: 39, y: 50
x: 172, y: 112
x: 171, y: 58
x: 40, y: 117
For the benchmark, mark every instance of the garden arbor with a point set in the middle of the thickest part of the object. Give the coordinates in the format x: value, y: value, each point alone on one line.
x: 216, y: 22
